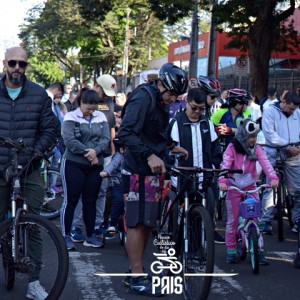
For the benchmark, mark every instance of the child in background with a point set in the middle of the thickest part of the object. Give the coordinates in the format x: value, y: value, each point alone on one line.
x: 243, y: 153
x: 113, y: 169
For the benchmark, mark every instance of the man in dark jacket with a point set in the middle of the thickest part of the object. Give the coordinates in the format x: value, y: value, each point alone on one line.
x: 25, y: 113
x: 144, y: 132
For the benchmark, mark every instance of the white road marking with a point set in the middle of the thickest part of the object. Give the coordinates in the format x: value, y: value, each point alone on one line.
x: 86, y: 265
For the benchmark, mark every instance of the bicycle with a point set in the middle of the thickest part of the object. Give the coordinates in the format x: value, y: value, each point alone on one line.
x: 52, y: 205
x: 20, y: 228
x: 282, y: 201
x: 249, y: 233
x: 186, y: 222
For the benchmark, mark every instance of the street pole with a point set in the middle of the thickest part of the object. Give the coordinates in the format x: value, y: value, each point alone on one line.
x: 211, y: 66
x: 193, y: 63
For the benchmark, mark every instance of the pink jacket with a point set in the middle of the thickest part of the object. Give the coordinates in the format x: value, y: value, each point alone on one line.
x: 234, y: 160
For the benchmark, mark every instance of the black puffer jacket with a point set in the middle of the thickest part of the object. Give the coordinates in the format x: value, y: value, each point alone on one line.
x: 29, y: 117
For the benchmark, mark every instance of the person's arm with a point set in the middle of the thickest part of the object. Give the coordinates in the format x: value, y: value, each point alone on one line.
x: 132, y: 125
x: 47, y: 130
x: 228, y: 159
x: 269, y: 128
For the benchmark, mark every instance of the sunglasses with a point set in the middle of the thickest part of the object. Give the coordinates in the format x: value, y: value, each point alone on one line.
x: 213, y: 97
x: 22, y: 64
x: 196, y: 108
x: 58, y: 96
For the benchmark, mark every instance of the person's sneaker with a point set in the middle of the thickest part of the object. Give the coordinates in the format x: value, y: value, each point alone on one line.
x: 36, y: 291
x: 268, y: 228
x: 69, y: 243
x: 92, y: 241
x: 143, y: 285
x: 126, y: 279
x: 47, y: 208
x: 295, y: 227
x: 231, y: 257
x: 77, y: 236
x: 218, y: 238
x: 262, y: 259
x: 112, y: 230
x: 56, y: 189
x: 297, y: 261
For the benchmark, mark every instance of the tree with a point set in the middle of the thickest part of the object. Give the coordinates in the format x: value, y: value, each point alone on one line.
x: 258, y: 27
x: 88, y: 37
x: 255, y: 26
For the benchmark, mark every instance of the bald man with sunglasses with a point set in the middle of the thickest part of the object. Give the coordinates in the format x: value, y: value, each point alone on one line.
x: 25, y: 113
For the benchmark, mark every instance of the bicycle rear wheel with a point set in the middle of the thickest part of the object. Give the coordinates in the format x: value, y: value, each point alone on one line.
x: 52, y: 204
x: 55, y: 260
x: 198, y: 258
x: 253, y: 249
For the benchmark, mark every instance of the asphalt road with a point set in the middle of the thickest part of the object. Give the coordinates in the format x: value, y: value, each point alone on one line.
x: 279, y: 280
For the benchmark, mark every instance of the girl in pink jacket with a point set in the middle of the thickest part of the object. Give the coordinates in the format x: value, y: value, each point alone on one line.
x: 243, y: 153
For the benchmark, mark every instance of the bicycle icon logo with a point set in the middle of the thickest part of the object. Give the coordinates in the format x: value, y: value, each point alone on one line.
x: 166, y: 262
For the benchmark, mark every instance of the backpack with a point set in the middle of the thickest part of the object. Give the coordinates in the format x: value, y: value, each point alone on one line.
x: 146, y: 87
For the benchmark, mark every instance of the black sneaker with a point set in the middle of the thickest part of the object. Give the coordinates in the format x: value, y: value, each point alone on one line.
x: 218, y: 238
x: 142, y: 285
x: 126, y: 279
x: 268, y: 228
x: 297, y: 261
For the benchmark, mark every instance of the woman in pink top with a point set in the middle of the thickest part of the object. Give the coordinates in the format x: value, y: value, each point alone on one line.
x: 243, y: 153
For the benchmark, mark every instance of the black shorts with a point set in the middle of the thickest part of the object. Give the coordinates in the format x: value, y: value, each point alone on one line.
x: 142, y: 199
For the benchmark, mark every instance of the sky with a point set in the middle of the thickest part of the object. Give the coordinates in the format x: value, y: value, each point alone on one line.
x: 12, y: 14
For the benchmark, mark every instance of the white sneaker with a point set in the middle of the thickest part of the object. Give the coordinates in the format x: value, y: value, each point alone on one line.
x: 36, y: 291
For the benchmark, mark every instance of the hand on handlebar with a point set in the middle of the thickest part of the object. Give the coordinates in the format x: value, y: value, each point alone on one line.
x: 223, y: 187
x: 293, y: 151
x: 223, y: 129
x: 273, y: 184
x: 156, y: 164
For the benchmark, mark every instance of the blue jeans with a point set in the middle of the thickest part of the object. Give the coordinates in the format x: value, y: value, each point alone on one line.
x: 117, y: 206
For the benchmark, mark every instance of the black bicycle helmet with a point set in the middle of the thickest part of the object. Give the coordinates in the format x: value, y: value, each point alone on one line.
x: 210, y: 85
x: 173, y: 78
x: 236, y: 96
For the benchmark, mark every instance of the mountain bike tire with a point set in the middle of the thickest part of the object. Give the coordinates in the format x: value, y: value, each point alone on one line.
x: 7, y: 260
x: 52, y: 211
x: 200, y: 255
x: 55, y: 259
x: 279, y: 205
x: 253, y: 249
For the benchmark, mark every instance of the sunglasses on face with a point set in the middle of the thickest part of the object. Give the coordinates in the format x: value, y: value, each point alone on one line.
x: 22, y: 64
x: 212, y: 97
x: 58, y: 96
x: 196, y: 108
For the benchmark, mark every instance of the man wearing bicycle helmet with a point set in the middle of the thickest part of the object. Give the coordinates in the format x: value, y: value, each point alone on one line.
x: 228, y: 117
x: 144, y: 133
x: 212, y: 88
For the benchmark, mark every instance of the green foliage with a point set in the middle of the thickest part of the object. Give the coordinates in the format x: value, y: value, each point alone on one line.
x: 84, y: 38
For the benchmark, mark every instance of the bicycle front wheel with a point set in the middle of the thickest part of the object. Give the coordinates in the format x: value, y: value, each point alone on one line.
x: 52, y: 261
x: 198, y: 258
x: 253, y: 249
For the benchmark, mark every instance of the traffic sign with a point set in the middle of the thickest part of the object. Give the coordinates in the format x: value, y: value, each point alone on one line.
x: 241, y: 62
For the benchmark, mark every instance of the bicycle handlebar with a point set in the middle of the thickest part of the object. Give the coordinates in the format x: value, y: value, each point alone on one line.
x: 21, y: 147
x: 280, y: 146
x: 222, y: 172
x: 249, y: 191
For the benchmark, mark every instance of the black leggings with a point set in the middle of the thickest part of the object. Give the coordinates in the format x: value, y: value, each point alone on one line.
x: 79, y: 180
